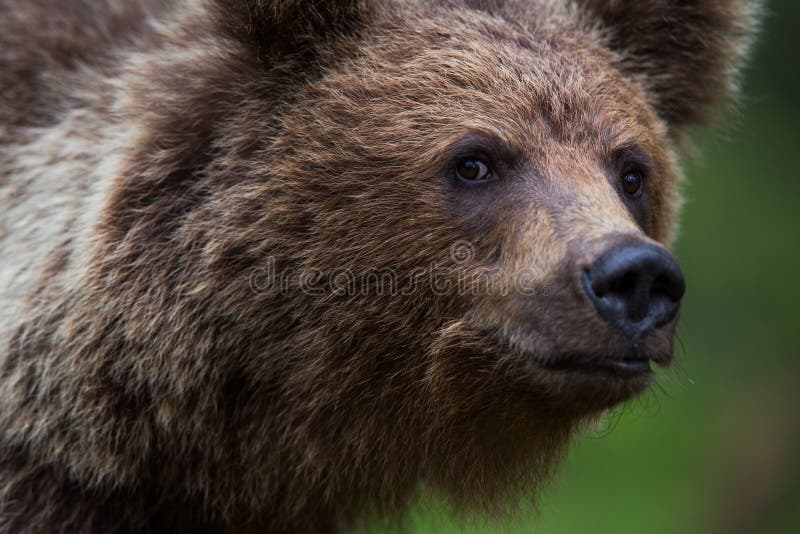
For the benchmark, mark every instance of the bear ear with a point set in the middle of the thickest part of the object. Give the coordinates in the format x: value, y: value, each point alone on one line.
x: 280, y: 27
x: 686, y: 53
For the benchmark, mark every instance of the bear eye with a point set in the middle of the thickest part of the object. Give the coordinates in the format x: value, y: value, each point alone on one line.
x: 473, y: 170
x: 633, y: 183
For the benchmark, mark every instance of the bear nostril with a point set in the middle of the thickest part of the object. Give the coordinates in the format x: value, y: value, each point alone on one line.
x: 626, y: 284
x: 614, y: 286
x: 664, y: 288
x: 636, y: 287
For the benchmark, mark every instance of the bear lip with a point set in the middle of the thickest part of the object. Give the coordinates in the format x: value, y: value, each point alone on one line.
x: 631, y: 361
x: 626, y: 366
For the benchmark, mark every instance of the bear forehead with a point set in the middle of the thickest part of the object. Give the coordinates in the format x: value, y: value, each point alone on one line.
x: 528, y: 83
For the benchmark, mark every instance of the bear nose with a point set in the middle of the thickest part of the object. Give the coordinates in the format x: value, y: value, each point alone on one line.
x: 635, y: 287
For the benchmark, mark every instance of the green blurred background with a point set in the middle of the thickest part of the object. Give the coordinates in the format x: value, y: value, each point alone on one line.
x: 715, y: 449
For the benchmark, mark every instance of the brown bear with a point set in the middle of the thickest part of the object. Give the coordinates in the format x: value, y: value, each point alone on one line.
x: 271, y: 265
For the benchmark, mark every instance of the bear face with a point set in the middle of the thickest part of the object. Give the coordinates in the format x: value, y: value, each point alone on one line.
x: 541, y: 111
x: 331, y: 250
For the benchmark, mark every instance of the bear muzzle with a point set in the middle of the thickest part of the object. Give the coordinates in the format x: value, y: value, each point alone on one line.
x: 634, y: 289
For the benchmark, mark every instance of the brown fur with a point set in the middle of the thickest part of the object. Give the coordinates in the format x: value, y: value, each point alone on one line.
x: 157, y: 157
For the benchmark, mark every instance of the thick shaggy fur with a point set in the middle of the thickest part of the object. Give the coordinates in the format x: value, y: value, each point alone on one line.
x: 158, y: 159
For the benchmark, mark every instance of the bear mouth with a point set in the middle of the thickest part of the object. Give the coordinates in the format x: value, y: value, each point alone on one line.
x: 630, y: 361
x: 589, y: 382
x: 613, y: 366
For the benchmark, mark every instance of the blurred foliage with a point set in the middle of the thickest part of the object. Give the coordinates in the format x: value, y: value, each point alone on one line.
x: 715, y: 448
